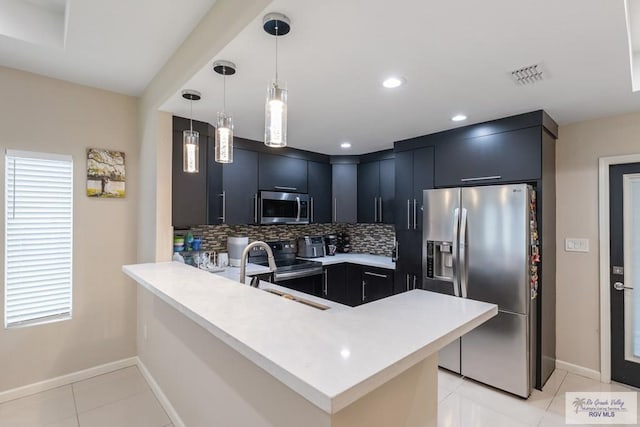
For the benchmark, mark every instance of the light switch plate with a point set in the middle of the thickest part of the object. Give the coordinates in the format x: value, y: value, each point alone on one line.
x: 576, y: 245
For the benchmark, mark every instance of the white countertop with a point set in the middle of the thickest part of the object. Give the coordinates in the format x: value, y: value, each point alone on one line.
x: 362, y: 259
x: 332, y: 357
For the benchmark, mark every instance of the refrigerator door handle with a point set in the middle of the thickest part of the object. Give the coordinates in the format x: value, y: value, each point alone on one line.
x: 456, y: 251
x: 464, y: 262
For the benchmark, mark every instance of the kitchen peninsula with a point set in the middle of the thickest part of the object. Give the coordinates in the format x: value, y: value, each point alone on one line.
x: 228, y: 354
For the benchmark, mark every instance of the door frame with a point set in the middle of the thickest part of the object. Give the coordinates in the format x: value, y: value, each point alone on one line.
x: 605, y: 266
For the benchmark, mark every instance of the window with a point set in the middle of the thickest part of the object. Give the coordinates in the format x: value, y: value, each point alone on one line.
x: 38, y: 237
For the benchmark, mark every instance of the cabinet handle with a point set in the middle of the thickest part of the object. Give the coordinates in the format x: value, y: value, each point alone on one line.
x: 375, y: 209
x: 415, y: 221
x: 407, y: 277
x: 335, y: 209
x: 255, y: 208
x: 277, y: 187
x: 369, y: 273
x: 224, y: 206
x: 364, y: 296
x: 408, y: 214
x: 481, y: 178
x: 311, y: 201
x: 325, y: 290
x: 380, y: 203
x: 414, y: 281
x: 397, y: 251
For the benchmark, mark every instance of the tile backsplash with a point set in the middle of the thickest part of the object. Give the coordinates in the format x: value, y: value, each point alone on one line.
x: 365, y: 238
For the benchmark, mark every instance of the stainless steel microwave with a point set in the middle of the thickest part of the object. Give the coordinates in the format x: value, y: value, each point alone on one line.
x: 283, y: 208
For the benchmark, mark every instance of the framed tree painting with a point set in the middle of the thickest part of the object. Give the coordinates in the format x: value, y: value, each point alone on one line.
x: 105, y: 173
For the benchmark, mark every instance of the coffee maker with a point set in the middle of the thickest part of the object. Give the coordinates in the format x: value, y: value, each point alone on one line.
x: 330, y: 244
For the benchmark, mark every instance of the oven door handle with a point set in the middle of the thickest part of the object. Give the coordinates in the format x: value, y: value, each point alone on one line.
x: 299, y: 208
x: 297, y: 274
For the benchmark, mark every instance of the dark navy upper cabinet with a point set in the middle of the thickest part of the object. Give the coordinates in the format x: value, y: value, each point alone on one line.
x: 513, y: 156
x: 345, y: 192
x: 376, y: 189
x: 240, y: 188
x: 282, y: 173
x: 191, y: 203
x: 368, y: 191
x: 319, y: 186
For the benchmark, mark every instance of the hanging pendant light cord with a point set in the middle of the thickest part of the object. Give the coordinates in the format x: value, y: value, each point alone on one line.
x: 224, y: 89
x: 191, y: 116
x: 276, y: 54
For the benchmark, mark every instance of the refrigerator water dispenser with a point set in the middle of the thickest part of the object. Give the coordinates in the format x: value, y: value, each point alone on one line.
x: 440, y: 260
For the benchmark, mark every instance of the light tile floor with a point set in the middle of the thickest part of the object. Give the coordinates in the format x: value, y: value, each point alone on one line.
x: 123, y: 399
x: 466, y: 403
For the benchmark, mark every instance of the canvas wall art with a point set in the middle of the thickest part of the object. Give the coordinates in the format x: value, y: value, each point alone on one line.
x: 105, y: 173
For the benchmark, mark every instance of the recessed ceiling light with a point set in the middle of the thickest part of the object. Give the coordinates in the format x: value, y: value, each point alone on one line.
x: 345, y: 145
x: 459, y: 118
x: 393, y: 82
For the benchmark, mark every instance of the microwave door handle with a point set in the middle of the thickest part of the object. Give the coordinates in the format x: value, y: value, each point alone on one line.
x: 456, y: 251
x: 464, y: 262
x: 298, y: 203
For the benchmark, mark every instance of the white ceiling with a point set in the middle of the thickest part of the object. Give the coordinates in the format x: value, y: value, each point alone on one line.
x: 455, y: 55
x: 117, y: 45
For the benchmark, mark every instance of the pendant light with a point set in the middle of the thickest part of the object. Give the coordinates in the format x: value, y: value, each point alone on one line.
x: 275, y: 116
x: 191, y: 138
x: 224, y: 122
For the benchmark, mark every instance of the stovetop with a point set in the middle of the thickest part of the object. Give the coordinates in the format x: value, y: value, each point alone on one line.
x: 284, y: 253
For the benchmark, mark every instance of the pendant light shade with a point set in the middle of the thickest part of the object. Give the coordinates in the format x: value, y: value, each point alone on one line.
x: 191, y: 138
x: 224, y: 121
x: 275, y: 116
x: 275, y: 113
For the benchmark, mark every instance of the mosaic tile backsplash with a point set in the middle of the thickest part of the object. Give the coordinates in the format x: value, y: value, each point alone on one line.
x: 375, y: 239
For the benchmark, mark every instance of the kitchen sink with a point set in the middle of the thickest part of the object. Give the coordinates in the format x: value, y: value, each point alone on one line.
x: 296, y: 299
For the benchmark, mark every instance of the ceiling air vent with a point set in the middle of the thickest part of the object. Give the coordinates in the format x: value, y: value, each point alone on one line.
x: 527, y: 75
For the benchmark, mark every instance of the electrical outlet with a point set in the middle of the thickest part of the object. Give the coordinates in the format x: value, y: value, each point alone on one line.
x: 576, y: 245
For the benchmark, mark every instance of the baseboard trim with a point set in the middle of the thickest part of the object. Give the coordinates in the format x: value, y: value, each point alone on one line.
x: 162, y: 398
x: 578, y: 370
x: 67, y: 379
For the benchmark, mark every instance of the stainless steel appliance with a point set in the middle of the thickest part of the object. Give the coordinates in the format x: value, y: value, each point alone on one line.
x: 311, y: 247
x: 330, y: 244
x: 278, y: 207
x: 481, y: 243
x: 291, y: 272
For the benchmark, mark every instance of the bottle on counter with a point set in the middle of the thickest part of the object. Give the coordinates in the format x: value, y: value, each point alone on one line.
x: 177, y: 257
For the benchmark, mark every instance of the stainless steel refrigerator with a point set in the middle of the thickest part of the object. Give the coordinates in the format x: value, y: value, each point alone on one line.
x: 481, y: 243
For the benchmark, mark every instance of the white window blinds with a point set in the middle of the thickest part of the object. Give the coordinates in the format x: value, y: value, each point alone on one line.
x: 38, y: 237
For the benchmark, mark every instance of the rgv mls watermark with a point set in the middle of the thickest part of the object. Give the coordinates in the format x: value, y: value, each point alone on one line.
x: 586, y: 407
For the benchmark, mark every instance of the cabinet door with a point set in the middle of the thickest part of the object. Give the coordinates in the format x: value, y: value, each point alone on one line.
x: 490, y: 159
x: 387, y: 191
x: 354, y: 285
x: 345, y: 192
x: 377, y: 283
x: 240, y: 185
x: 320, y: 191
x: 214, y: 184
x: 335, y: 283
x: 368, y: 192
x: 282, y: 173
x: 423, y: 163
x: 404, y: 193
x: 406, y: 281
x: 409, y: 251
x: 189, y: 190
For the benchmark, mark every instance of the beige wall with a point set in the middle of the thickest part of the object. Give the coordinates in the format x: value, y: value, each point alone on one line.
x: 578, y: 149
x: 43, y: 114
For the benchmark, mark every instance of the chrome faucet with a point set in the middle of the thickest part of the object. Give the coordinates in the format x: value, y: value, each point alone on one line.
x: 243, y: 260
